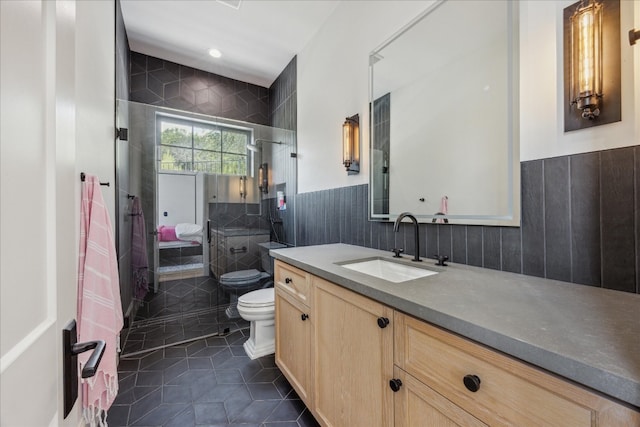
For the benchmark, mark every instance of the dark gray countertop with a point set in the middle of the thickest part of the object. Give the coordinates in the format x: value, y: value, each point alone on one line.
x: 586, y: 334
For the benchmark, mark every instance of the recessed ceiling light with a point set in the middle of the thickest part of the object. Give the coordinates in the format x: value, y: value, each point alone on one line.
x: 215, y: 53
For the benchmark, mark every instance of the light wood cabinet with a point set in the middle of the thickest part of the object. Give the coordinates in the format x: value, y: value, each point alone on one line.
x: 418, y: 405
x: 294, y: 329
x: 353, y: 358
x: 341, y: 359
x: 507, y: 391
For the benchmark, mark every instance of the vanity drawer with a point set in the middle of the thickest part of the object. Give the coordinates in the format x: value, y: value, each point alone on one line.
x: 292, y: 280
x: 509, y: 392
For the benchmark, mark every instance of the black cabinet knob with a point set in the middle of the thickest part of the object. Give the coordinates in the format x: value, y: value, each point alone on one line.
x: 472, y: 382
x: 288, y: 280
x: 383, y: 322
x: 304, y: 316
x: 395, y: 384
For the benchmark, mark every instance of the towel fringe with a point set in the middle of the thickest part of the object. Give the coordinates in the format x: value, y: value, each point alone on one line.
x: 92, y: 414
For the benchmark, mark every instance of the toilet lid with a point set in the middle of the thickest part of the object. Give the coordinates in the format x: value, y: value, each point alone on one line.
x: 241, y: 276
x: 259, y: 298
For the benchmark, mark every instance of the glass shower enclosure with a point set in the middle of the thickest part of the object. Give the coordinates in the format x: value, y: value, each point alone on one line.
x: 212, y: 196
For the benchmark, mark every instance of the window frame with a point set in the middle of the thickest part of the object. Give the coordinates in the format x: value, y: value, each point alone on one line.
x: 207, y: 125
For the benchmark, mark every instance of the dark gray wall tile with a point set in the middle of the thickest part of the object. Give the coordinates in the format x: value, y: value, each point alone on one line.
x: 459, y: 244
x: 159, y: 82
x: 474, y: 245
x: 585, y: 219
x: 556, y: 218
x: 511, y: 249
x: 432, y: 240
x: 444, y: 240
x: 618, y: 225
x: 562, y: 199
x: 491, y: 247
x: 532, y: 218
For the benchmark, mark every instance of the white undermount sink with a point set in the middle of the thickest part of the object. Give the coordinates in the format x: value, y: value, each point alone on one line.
x: 388, y: 270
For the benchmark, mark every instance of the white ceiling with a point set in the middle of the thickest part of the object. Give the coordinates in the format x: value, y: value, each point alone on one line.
x: 257, y: 40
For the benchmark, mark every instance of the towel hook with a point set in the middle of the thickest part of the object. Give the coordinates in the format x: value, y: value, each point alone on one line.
x: 83, y: 176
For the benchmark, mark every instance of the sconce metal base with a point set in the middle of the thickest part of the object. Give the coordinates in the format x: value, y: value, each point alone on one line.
x: 353, y: 169
x: 634, y: 35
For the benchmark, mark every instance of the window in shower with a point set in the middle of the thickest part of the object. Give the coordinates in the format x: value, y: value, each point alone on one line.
x: 201, y: 147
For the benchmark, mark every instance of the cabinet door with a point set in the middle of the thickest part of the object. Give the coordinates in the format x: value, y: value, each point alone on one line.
x: 417, y: 405
x: 354, y: 358
x: 293, y: 342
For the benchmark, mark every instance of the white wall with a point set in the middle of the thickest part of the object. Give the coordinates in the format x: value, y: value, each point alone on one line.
x: 333, y: 84
x: 541, y: 86
x: 57, y: 85
x: 95, y: 99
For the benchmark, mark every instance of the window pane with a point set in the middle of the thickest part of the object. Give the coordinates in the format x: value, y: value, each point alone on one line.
x: 175, y: 134
x: 175, y: 159
x: 207, y: 161
x: 234, y: 164
x: 235, y: 142
x: 206, y: 139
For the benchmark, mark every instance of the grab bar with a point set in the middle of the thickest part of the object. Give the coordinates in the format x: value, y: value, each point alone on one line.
x: 238, y: 250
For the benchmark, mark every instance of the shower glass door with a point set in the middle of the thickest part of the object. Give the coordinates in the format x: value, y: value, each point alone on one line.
x: 196, y: 178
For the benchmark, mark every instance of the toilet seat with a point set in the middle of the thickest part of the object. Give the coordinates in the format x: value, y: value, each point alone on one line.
x: 258, y: 299
x: 241, y: 277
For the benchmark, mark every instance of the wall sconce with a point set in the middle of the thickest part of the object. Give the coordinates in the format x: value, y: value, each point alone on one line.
x: 351, y: 144
x: 586, y: 59
x: 243, y: 187
x: 263, y: 178
x: 592, y: 63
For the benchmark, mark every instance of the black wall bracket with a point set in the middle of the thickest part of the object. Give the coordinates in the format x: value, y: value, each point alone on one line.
x: 122, y: 134
x: 71, y: 349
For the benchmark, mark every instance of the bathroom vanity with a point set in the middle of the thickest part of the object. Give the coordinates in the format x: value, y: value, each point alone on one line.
x: 466, y: 346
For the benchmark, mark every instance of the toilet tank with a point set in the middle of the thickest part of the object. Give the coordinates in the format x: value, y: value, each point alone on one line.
x: 234, y: 249
x: 266, y: 259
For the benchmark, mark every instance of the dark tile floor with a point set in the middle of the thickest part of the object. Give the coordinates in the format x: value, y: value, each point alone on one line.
x: 209, y: 382
x: 183, y: 309
x: 181, y: 296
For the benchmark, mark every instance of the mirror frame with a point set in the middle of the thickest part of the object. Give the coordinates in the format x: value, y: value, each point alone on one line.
x: 511, y: 218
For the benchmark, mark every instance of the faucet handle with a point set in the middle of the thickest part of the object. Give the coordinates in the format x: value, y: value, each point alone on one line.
x: 397, y: 252
x: 442, y: 260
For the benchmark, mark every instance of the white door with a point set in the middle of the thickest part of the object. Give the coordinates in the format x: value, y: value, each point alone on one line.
x: 39, y: 201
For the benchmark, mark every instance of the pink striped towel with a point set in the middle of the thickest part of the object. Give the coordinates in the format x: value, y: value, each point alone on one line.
x: 99, y: 307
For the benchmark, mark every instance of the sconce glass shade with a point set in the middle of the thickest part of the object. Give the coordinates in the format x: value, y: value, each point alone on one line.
x: 351, y: 144
x: 586, y: 58
x: 243, y: 187
x: 263, y: 178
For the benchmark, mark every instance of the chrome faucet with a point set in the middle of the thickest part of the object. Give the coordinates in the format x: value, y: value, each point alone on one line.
x: 396, y: 227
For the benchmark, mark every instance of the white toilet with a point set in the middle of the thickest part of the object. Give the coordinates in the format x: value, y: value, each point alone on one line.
x: 258, y: 307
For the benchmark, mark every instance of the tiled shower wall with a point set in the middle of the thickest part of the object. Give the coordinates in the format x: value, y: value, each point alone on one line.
x: 284, y: 113
x: 158, y: 82
x: 283, y: 98
x: 580, y: 223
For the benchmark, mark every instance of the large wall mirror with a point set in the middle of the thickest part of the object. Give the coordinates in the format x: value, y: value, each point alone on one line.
x: 444, y: 116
